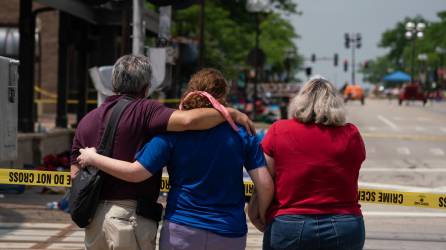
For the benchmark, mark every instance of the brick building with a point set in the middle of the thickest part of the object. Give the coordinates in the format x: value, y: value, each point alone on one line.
x: 70, y: 37
x: 47, y: 44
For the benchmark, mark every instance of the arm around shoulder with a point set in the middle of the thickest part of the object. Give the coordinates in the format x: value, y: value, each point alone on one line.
x: 195, y: 119
x: 127, y: 171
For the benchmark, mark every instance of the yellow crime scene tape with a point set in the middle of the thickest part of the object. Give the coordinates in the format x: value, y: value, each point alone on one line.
x: 52, y: 98
x: 365, y: 195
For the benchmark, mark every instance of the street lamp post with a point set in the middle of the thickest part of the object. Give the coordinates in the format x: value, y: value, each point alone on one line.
x: 353, y: 41
x: 202, y: 21
x: 289, y: 55
x: 441, y: 64
x: 256, y: 6
x: 414, y: 31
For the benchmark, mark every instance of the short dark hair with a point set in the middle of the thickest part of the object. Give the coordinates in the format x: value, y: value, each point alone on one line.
x: 131, y: 74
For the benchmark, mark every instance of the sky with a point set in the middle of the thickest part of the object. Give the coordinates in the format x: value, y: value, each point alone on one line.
x: 323, y: 23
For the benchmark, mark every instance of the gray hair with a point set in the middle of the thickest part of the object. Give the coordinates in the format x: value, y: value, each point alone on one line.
x: 318, y: 102
x: 131, y: 75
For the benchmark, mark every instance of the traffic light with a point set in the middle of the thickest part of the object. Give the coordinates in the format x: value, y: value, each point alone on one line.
x: 358, y: 40
x: 308, y: 71
x: 313, y: 58
x: 336, y: 59
x: 366, y: 64
x: 347, y: 40
x: 345, y: 65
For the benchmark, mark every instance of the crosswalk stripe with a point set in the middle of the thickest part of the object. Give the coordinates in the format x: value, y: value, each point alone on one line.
x: 371, y: 150
x: 404, y: 214
x: 65, y: 246
x: 423, y: 119
x: 437, y: 151
x: 16, y: 245
x: 410, y: 170
x: 43, y: 236
x: 388, y: 122
x: 26, y: 232
x: 372, y: 128
x: 33, y: 225
x: 403, y: 151
x: 417, y: 128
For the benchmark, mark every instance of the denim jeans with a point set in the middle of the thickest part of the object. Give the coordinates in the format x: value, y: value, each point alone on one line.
x: 315, y: 232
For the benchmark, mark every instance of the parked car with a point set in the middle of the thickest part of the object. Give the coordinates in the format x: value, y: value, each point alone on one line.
x: 412, y: 92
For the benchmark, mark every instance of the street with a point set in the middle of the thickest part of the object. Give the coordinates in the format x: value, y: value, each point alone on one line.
x: 406, y: 149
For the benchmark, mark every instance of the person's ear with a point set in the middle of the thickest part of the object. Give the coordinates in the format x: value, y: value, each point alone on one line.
x: 146, y: 91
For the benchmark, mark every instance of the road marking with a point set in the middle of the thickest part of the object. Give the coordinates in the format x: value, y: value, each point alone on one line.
x: 16, y: 225
x: 411, y: 170
x: 15, y: 245
x: 388, y: 122
x: 59, y: 236
x: 403, y: 151
x: 417, y: 128
x: 423, y: 119
x: 371, y: 150
x: 443, y: 129
x: 405, y: 137
x: 405, y: 214
x: 371, y: 128
x: 436, y: 151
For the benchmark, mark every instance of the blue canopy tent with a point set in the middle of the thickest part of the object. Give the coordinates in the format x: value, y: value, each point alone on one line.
x: 397, y: 76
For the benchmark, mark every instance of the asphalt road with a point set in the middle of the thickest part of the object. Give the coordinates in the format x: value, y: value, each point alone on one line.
x: 406, y: 145
x: 406, y: 149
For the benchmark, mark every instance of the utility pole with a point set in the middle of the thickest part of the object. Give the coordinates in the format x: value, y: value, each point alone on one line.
x: 256, y: 67
x: 354, y: 41
x: 412, y: 69
x: 138, y: 39
x: 414, y: 31
x: 26, y: 67
x: 353, y: 65
x: 202, y: 21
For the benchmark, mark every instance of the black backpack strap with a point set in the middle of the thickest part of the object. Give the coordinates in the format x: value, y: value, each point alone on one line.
x: 106, y: 145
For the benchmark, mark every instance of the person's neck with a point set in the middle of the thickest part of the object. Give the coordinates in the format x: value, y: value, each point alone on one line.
x: 135, y: 96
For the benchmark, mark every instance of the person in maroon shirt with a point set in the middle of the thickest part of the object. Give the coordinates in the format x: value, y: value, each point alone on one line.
x: 116, y: 224
x: 315, y: 159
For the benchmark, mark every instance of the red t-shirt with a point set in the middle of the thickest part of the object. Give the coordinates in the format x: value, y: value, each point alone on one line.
x: 316, y: 168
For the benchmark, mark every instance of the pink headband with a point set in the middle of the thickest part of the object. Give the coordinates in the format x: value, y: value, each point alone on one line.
x: 216, y: 104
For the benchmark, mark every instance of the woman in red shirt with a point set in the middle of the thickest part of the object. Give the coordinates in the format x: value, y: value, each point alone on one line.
x: 315, y: 159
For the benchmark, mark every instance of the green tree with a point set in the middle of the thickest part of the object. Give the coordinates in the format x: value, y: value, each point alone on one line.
x: 401, y: 49
x: 434, y: 40
x: 395, y: 40
x: 230, y: 34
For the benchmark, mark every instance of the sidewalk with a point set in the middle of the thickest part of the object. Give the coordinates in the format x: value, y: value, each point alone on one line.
x: 26, y: 223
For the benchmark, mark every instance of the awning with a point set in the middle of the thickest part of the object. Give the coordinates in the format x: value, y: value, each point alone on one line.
x: 397, y: 76
x: 100, y: 14
x: 176, y: 4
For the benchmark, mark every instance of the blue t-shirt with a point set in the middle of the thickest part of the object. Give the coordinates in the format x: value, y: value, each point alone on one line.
x: 206, y: 176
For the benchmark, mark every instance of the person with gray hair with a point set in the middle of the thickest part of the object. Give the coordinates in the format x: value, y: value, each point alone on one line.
x: 116, y: 225
x: 318, y: 102
x: 315, y: 158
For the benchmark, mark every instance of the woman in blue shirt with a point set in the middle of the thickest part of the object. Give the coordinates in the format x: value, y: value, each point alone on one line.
x: 205, y: 206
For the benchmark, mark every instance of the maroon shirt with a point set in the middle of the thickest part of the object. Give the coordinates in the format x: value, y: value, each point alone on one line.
x: 140, y: 121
